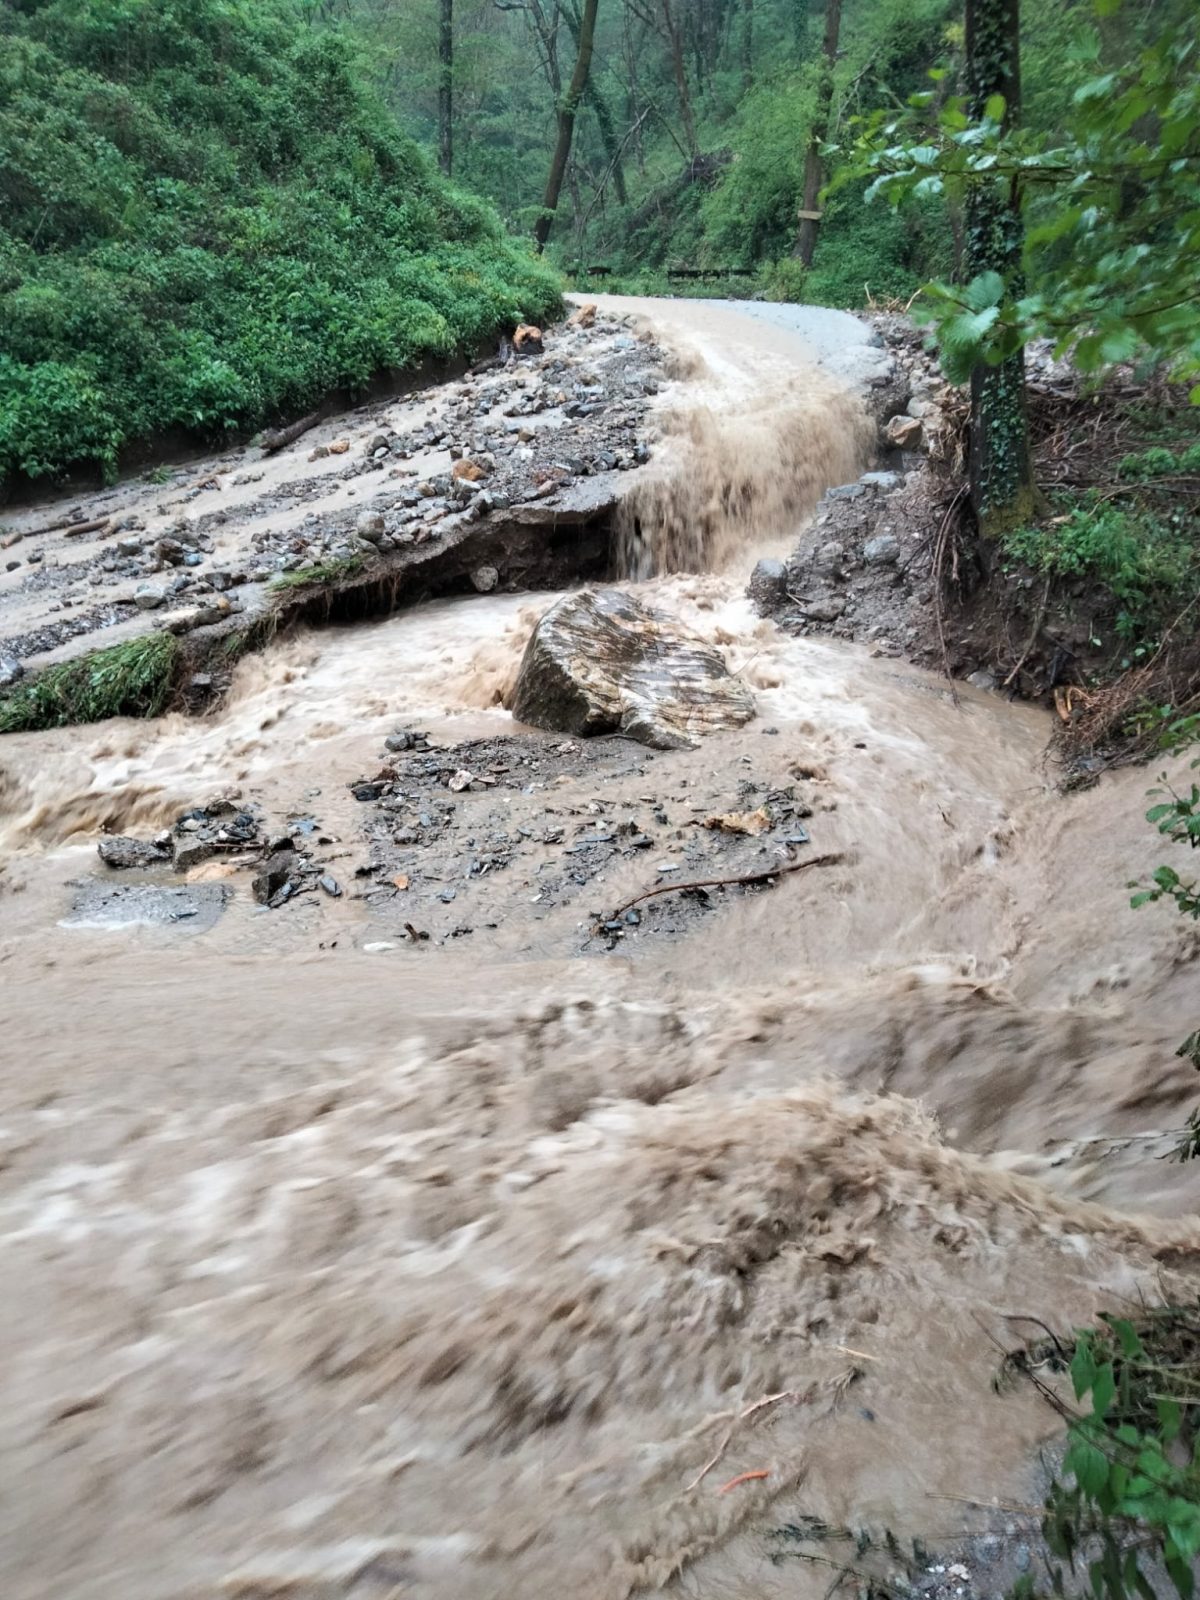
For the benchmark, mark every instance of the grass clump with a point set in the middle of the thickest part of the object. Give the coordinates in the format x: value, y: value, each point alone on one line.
x: 208, y: 220
x: 133, y: 679
x: 335, y: 570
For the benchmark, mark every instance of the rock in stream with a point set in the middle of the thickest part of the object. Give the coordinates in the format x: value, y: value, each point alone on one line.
x: 602, y: 662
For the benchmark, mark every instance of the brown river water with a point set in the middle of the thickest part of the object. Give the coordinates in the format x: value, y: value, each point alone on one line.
x: 339, y: 1267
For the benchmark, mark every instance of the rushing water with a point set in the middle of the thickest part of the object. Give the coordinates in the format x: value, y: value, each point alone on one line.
x: 447, y: 1272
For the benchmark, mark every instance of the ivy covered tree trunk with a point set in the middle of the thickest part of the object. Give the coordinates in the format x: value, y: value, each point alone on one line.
x: 814, y: 167
x: 446, y: 88
x: 567, y: 110
x: 1002, y: 489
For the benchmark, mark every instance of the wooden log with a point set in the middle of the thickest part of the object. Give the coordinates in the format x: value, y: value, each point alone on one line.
x: 274, y: 439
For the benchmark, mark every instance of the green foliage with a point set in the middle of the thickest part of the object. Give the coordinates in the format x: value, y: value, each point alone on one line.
x: 865, y: 252
x: 1133, y: 1502
x: 1112, y: 242
x: 1158, y: 462
x: 208, y: 221
x: 1149, y: 563
x: 132, y: 679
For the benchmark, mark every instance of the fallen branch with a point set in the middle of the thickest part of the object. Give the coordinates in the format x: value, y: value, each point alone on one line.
x: 274, y: 439
x: 939, y: 578
x: 725, y: 883
x: 1032, y: 640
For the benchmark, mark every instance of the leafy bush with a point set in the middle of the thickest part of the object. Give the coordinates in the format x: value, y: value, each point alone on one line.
x: 1148, y: 562
x: 1128, y: 1500
x: 207, y: 221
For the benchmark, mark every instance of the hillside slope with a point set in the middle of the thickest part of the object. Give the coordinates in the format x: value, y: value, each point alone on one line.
x: 207, y: 220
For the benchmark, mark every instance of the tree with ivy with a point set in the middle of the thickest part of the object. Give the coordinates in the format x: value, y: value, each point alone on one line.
x: 1088, y: 234
x: 1001, y: 471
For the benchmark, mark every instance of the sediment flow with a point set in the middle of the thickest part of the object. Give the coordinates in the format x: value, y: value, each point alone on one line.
x: 525, y: 1259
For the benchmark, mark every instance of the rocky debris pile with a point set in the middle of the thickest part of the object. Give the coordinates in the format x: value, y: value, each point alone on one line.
x: 861, y: 570
x: 223, y: 828
x: 863, y: 567
x: 490, y: 827
x: 504, y: 437
x: 218, y: 828
x: 602, y: 662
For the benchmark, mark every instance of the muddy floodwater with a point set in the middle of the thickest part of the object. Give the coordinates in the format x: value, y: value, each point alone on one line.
x: 452, y: 1236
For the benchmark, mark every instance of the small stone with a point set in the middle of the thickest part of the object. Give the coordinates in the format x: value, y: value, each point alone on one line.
x: 903, y: 433
x: 884, y: 481
x: 124, y: 853
x: 147, y: 598
x: 10, y: 670
x: 982, y: 679
x: 275, y: 875
x: 825, y: 610
x: 370, y: 526
x: 192, y: 853
x: 768, y: 584
x: 882, y: 551
x: 331, y: 886
x: 484, y: 579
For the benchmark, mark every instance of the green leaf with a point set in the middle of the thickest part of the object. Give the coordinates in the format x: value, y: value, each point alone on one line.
x: 1119, y: 344
x: 1083, y: 1367
x: 1104, y: 1387
x: 1089, y: 1465
x: 995, y: 106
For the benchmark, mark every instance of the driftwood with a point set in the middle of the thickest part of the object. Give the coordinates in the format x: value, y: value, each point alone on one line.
x: 723, y: 883
x: 74, y: 529
x: 61, y: 524
x: 274, y: 439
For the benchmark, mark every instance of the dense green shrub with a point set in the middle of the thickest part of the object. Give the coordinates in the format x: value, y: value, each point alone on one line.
x: 207, y: 221
x: 1150, y: 563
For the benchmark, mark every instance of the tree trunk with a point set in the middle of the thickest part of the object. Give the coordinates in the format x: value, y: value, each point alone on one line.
x: 747, y: 45
x: 446, y: 88
x: 1003, y: 495
x: 814, y: 167
x: 604, y: 119
x: 679, y: 67
x: 568, y: 106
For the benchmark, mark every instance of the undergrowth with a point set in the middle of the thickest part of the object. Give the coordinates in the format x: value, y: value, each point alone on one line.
x: 131, y: 679
x: 1149, y: 561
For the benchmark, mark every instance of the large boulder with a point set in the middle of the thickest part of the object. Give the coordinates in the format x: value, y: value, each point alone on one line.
x: 601, y: 662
